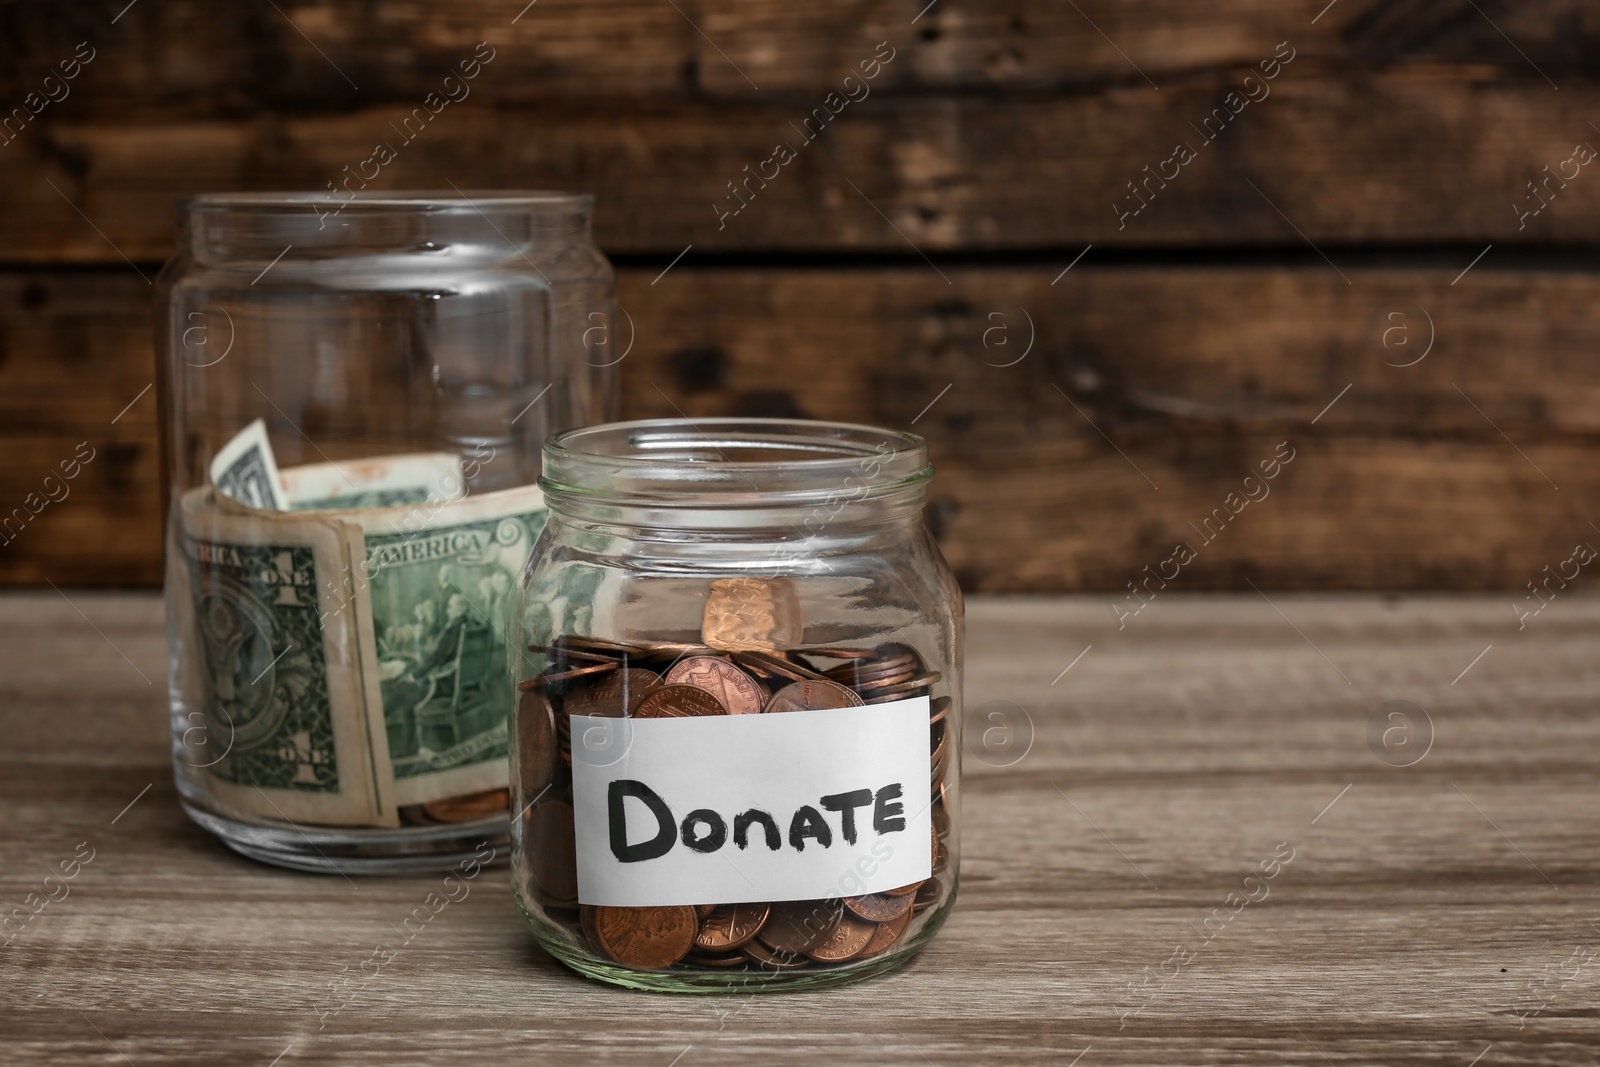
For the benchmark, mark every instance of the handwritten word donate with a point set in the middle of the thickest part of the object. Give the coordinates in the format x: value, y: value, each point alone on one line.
x: 704, y: 830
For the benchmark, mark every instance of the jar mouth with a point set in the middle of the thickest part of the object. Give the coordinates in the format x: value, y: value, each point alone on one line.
x: 728, y: 462
x: 409, y: 200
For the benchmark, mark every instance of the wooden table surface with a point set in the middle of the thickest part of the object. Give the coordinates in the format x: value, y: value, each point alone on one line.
x: 1444, y: 912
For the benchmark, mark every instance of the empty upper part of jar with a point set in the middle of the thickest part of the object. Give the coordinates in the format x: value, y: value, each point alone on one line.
x: 788, y: 474
x: 224, y: 228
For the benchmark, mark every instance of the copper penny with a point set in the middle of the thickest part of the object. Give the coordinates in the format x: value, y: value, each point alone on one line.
x: 538, y: 745
x: 743, y: 613
x: 594, y: 645
x: 414, y: 815
x: 928, y: 894
x: 552, y: 852
x: 813, y: 696
x: 879, y: 907
x: 613, y: 696
x: 771, y: 960
x: 838, y: 653
x: 584, y: 657
x: 730, y: 925
x: 469, y: 807
x: 939, y: 762
x: 904, y: 890
x: 770, y: 665
x: 715, y: 959
x: 734, y: 689
x: 795, y: 927
x: 545, y: 680
x: 848, y: 938
x: 886, y: 936
x: 678, y: 702
x: 646, y: 938
x: 586, y: 923
x: 939, y: 709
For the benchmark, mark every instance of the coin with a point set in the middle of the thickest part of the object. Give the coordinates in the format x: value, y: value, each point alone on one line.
x: 939, y: 709
x: 469, y: 807
x: 600, y: 645
x: 900, y: 891
x: 552, y: 851
x: 773, y: 666
x: 771, y: 960
x: 916, y: 681
x: 716, y: 959
x: 795, y: 927
x: 613, y: 696
x: 544, y: 681
x: 744, y: 613
x: 537, y: 742
x: 928, y: 894
x: 813, y: 696
x: 414, y: 815
x: 678, y: 702
x: 586, y: 924
x: 646, y: 938
x: 940, y: 760
x: 848, y: 938
x: 835, y: 652
x: 879, y: 907
x: 730, y: 925
x: 734, y: 689
x: 886, y: 935
x: 559, y: 653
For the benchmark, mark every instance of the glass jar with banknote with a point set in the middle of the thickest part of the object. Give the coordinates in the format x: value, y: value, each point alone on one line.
x: 355, y: 390
x: 736, y: 759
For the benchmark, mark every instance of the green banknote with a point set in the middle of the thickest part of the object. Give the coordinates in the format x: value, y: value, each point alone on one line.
x: 275, y: 659
x: 376, y: 482
x: 440, y: 583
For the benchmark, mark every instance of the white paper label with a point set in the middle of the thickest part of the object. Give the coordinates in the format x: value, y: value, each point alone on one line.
x: 725, y: 809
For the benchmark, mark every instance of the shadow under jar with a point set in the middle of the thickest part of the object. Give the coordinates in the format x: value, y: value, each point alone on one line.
x: 735, y: 761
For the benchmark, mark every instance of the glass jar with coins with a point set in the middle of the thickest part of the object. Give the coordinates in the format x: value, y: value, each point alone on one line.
x: 735, y: 755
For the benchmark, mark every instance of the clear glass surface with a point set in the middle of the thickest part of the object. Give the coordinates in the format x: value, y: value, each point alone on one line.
x: 645, y: 517
x: 402, y: 324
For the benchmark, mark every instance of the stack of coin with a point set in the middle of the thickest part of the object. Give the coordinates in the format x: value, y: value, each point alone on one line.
x: 469, y: 807
x: 592, y: 676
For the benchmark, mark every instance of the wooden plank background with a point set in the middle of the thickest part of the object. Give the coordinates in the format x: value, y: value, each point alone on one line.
x: 899, y: 267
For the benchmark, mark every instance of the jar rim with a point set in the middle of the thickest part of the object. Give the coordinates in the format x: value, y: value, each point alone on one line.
x: 679, y: 460
x: 466, y: 200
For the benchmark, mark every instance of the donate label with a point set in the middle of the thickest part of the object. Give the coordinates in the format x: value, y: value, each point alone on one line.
x: 727, y: 809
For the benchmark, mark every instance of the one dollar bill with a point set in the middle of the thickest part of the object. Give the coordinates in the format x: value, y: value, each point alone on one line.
x: 414, y: 577
x: 281, y: 667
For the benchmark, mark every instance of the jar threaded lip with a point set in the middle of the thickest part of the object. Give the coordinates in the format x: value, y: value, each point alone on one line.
x: 400, y: 199
x: 732, y: 461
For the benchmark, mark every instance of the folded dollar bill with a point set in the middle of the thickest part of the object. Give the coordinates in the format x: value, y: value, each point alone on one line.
x: 411, y: 575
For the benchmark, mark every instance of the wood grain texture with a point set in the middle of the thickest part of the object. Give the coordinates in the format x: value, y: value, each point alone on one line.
x: 1412, y: 156
x: 1423, y: 908
x: 180, y: 58
x: 1084, y: 460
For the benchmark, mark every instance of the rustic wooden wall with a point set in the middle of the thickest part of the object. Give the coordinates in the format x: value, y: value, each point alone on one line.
x: 898, y: 270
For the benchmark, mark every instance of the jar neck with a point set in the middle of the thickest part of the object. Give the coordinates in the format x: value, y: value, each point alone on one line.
x: 226, y: 228
x: 767, y: 480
